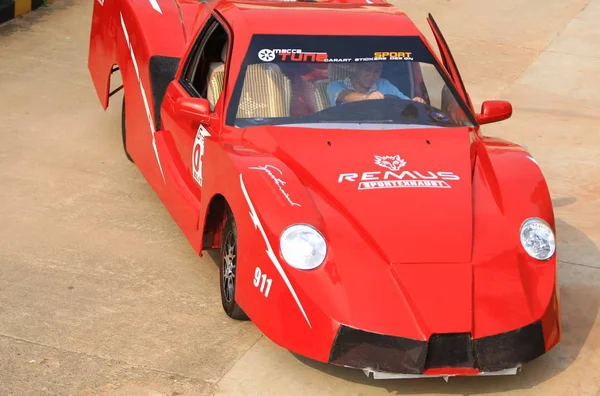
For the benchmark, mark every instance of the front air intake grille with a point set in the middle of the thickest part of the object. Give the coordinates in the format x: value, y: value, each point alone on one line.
x: 450, y: 350
x: 505, y: 350
x: 361, y: 349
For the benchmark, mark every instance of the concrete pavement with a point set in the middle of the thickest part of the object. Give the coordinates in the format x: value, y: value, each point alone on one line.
x: 101, y: 294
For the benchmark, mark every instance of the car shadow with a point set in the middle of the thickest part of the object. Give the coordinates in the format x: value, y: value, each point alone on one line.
x: 563, y: 201
x: 215, y: 255
x: 580, y: 300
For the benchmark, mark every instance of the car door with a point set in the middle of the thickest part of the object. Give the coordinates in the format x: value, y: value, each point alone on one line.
x: 193, y: 138
x: 452, y: 70
x: 190, y: 127
x: 449, y: 62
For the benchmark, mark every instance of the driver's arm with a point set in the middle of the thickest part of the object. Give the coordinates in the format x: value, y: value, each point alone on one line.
x: 336, y: 90
x: 387, y: 88
x: 353, y: 96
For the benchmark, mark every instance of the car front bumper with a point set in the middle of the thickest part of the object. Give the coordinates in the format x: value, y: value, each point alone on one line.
x: 443, y: 355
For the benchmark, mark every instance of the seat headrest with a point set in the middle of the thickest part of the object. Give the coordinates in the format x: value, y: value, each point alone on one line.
x: 339, y: 72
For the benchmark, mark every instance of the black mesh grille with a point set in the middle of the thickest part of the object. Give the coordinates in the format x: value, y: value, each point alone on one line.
x: 450, y: 350
x: 361, y: 349
x: 506, y: 350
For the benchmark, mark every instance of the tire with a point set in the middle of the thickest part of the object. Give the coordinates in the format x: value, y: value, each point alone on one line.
x: 124, y: 130
x: 227, y: 270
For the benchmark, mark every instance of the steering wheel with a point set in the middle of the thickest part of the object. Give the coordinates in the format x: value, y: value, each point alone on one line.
x: 393, y: 97
x: 414, y: 108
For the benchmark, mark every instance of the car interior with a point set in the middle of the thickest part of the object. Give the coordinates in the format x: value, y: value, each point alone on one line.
x: 270, y: 90
x: 273, y: 90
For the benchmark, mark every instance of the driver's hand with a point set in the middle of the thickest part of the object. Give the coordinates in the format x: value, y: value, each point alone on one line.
x: 375, y: 95
x: 418, y: 99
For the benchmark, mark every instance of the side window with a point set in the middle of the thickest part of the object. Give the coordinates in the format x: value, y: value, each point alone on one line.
x: 440, y: 95
x: 205, y: 68
x: 434, y: 84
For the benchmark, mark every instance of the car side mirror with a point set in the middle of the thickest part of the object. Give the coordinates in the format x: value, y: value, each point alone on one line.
x: 494, y: 111
x: 197, y: 109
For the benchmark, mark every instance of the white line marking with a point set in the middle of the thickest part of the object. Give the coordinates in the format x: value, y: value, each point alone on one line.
x: 269, y: 250
x: 155, y: 5
x: 146, y: 105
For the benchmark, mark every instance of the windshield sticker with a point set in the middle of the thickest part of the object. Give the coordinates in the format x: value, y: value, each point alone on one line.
x: 336, y: 49
x: 398, y: 55
x: 296, y: 55
x: 393, y: 177
x: 268, y: 169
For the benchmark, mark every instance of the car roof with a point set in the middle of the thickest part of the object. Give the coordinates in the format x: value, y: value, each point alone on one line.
x: 338, y: 17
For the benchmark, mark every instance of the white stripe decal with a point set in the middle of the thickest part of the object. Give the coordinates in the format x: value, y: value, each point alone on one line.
x: 145, y: 99
x: 269, y: 250
x: 533, y: 159
x: 155, y: 5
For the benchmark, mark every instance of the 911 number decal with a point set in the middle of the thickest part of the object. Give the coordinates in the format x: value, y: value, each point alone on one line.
x: 262, y: 280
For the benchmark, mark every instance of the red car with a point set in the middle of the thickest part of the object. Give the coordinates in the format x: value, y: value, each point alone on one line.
x: 362, y: 217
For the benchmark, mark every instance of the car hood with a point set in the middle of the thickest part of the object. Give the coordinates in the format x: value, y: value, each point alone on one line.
x: 405, y: 249
x: 407, y: 192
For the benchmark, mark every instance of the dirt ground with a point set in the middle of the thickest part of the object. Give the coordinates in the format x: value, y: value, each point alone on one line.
x: 100, y: 293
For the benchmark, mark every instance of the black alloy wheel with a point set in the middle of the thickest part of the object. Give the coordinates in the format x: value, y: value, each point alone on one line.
x: 227, y: 270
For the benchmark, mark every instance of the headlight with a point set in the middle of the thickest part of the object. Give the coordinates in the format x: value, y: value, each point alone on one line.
x: 537, y: 239
x: 303, y: 247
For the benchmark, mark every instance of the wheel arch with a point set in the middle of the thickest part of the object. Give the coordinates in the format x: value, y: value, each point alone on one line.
x: 217, y: 213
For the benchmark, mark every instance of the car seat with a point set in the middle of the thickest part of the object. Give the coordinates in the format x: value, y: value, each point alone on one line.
x: 267, y: 92
x: 335, y: 72
x: 216, y: 75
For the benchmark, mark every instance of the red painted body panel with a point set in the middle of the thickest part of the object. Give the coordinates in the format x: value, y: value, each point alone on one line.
x: 505, y: 277
x: 410, y: 265
x: 432, y: 213
x: 452, y: 371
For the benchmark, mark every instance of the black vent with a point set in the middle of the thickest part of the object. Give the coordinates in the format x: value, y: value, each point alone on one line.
x: 162, y: 72
x: 361, y: 349
x: 508, y: 349
x: 450, y: 350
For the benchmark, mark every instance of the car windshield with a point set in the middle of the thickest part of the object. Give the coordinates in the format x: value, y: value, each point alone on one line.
x: 343, y: 82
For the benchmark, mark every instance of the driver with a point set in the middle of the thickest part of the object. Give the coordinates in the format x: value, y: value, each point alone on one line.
x: 364, y: 84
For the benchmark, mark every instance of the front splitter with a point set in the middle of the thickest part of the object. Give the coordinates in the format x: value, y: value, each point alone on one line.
x: 383, y: 375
